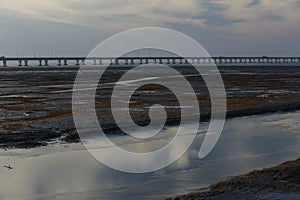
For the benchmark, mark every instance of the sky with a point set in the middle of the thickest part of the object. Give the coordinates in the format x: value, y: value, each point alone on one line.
x: 222, y: 27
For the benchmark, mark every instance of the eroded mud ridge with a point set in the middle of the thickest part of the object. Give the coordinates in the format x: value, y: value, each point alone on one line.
x: 36, y: 104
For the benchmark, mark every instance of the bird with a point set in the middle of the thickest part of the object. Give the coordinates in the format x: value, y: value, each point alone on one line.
x: 8, y: 167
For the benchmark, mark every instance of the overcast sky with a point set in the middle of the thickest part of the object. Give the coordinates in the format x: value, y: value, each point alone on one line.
x: 223, y: 27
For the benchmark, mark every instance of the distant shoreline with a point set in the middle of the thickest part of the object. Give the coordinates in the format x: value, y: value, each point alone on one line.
x: 74, y: 67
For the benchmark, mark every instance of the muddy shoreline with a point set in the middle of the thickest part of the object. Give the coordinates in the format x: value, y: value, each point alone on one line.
x: 280, y: 182
x: 35, y: 105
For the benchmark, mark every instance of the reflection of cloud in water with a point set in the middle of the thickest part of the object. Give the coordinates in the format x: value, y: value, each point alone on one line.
x: 54, y: 171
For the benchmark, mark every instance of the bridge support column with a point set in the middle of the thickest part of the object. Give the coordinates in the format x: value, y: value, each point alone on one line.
x: 46, y: 62
x: 20, y: 63
x: 59, y: 63
x: 117, y: 61
x: 4, y: 63
x: 132, y: 61
x: 101, y: 63
x: 95, y: 62
x: 40, y: 63
x: 26, y: 62
x: 65, y: 62
x: 83, y: 61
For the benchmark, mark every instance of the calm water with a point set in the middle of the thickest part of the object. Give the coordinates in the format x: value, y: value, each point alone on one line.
x: 61, y: 171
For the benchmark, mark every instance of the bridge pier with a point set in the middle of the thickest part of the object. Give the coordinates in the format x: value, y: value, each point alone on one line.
x: 4, y: 63
x: 83, y: 61
x: 26, y: 63
x: 20, y: 63
x: 132, y: 61
x: 59, y: 63
x: 46, y: 62
x: 65, y: 62
x: 77, y: 63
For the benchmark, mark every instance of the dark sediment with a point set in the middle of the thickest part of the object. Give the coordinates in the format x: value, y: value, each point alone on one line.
x: 35, y: 108
x: 280, y: 182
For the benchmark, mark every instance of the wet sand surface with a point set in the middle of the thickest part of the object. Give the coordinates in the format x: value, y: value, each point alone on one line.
x: 36, y: 103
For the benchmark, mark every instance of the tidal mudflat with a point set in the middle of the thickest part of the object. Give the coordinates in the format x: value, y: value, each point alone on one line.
x: 36, y: 103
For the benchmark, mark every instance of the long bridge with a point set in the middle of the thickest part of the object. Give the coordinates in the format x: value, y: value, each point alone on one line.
x: 132, y: 61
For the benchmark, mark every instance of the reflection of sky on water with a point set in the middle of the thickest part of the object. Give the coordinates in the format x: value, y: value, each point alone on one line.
x: 68, y: 171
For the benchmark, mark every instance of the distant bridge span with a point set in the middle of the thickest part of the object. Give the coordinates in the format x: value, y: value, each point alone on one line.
x: 133, y: 61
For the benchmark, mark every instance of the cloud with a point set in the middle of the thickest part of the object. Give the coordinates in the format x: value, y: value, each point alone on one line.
x: 243, y: 24
x: 260, y: 19
x: 111, y: 15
